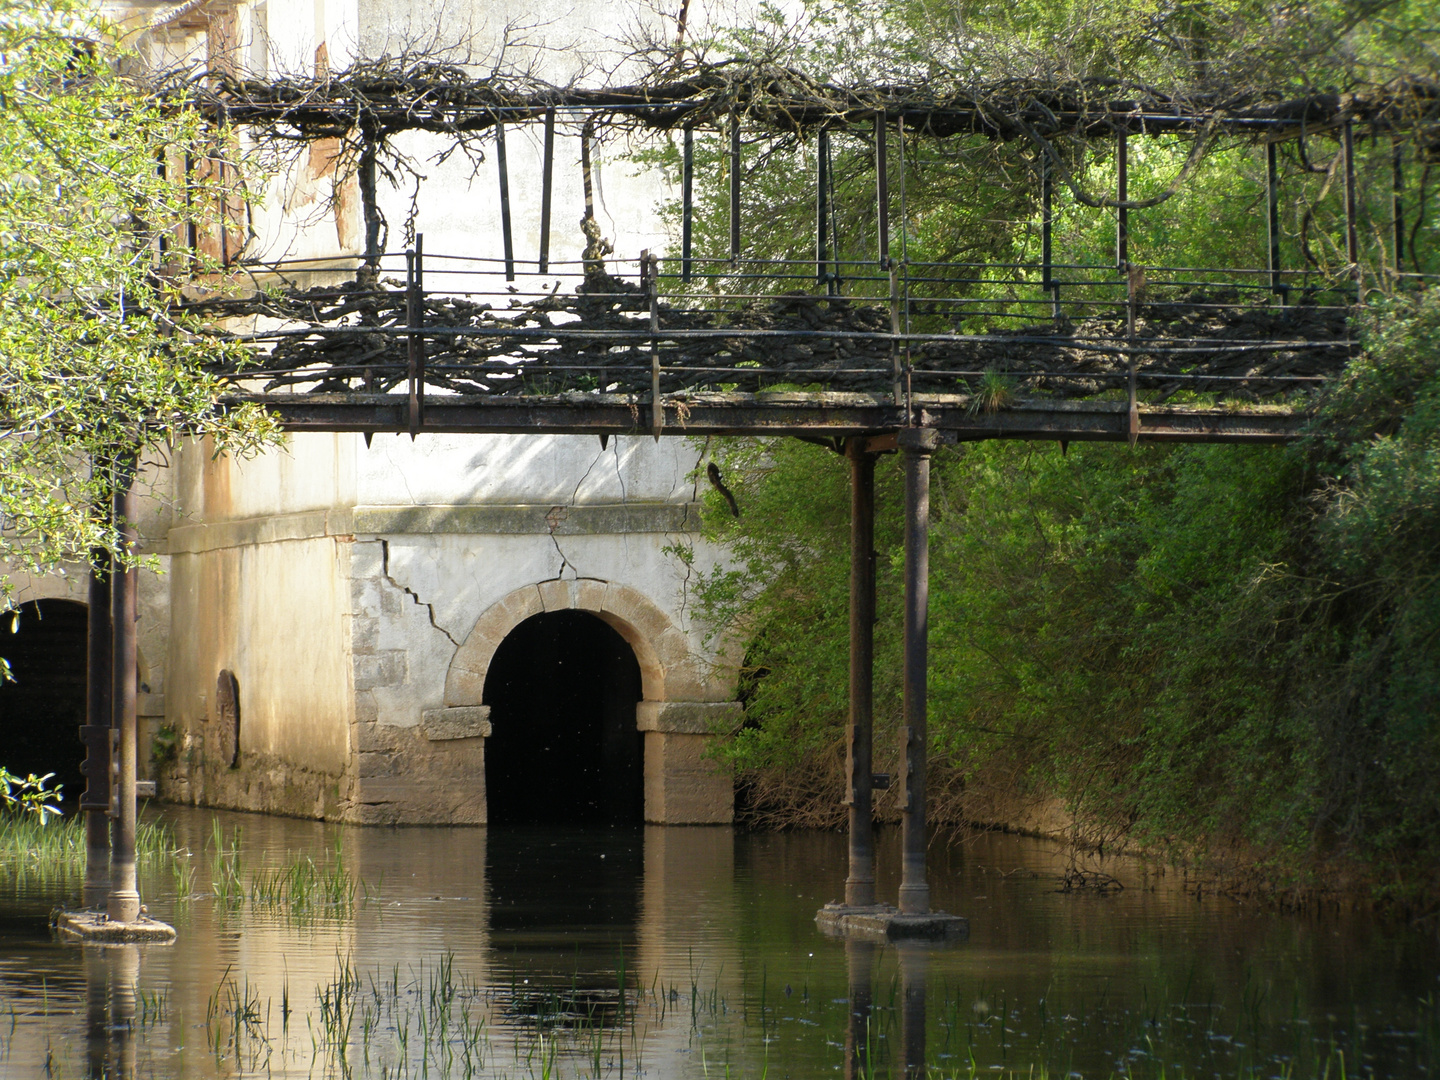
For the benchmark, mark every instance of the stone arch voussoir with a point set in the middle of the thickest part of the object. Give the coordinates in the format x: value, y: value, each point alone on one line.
x: 666, y: 666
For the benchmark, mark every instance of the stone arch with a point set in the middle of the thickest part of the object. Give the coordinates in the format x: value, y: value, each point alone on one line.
x: 667, y: 670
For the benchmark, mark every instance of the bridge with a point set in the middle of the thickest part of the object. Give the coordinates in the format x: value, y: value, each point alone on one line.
x: 867, y: 355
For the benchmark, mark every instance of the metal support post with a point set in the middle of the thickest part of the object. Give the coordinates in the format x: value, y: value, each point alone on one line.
x: 97, y: 737
x: 860, y: 884
x: 1352, y: 232
x: 547, y: 189
x: 650, y: 267
x: 882, y: 188
x: 916, y: 445
x: 822, y: 207
x: 734, y: 187
x: 1272, y: 218
x: 507, y: 236
x: 687, y: 205
x: 1122, y: 196
x: 1048, y: 284
x: 124, y: 903
x: 415, y: 341
x: 1397, y: 204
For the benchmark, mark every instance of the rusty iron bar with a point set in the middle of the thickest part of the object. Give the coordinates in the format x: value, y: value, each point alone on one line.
x: 687, y: 204
x: 734, y: 187
x: 547, y: 190
x: 822, y: 207
x: 916, y: 446
x: 860, y: 883
x: 1352, y: 231
x: 507, y: 235
x: 124, y: 901
x: 1122, y: 196
x: 97, y: 734
x: 1048, y: 282
x: 1397, y: 201
x: 1272, y: 220
x: 860, y: 977
x: 651, y: 264
x: 882, y: 189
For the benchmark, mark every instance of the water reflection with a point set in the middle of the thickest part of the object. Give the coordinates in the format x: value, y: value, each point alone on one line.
x: 112, y: 980
x: 689, y: 951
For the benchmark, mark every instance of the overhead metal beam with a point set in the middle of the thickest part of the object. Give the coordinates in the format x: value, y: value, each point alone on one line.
x: 794, y: 413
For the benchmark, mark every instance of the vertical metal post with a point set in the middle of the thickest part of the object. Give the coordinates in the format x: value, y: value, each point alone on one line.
x: 860, y: 884
x: 860, y: 979
x: 1048, y: 284
x: 368, y: 179
x: 914, y: 967
x: 882, y: 188
x: 651, y: 264
x: 1352, y: 232
x: 124, y: 902
x: 1397, y: 205
x: 687, y: 204
x: 1122, y: 195
x: 897, y: 375
x: 822, y: 207
x: 506, y: 234
x: 1272, y: 216
x: 412, y: 343
x: 547, y: 190
x: 916, y: 446
x: 97, y: 737
x: 734, y: 187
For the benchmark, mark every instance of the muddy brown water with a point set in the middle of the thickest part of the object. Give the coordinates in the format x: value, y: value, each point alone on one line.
x: 502, y: 953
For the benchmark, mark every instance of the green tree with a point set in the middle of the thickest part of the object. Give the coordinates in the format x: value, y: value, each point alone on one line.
x: 94, y: 360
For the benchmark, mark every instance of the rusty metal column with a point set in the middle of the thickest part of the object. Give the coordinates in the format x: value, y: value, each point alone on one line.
x: 124, y: 905
x: 860, y: 884
x: 96, y: 735
x: 916, y: 444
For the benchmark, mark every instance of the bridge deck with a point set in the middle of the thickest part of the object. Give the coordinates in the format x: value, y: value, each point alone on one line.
x: 814, y: 414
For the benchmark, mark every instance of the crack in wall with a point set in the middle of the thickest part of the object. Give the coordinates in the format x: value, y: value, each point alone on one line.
x: 429, y: 608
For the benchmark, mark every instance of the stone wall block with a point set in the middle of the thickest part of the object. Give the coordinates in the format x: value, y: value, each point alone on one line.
x: 366, y: 710
x: 364, y: 634
x: 443, y: 725
x: 392, y: 602
x: 386, y: 668
x: 682, y: 785
x: 690, y: 717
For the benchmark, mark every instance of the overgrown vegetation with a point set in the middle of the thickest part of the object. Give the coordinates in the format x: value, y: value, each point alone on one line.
x: 1231, y: 655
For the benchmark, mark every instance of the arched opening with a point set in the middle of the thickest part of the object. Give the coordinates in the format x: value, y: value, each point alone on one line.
x: 42, y: 709
x: 562, y: 689
x: 227, y: 718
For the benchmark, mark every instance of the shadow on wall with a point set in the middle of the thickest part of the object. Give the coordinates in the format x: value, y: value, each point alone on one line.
x: 42, y: 709
x: 563, y: 749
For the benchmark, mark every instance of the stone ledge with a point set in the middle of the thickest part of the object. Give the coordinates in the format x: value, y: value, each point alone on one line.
x: 881, y: 922
x: 594, y: 519
x: 459, y: 722
x: 690, y: 717
x: 95, y: 926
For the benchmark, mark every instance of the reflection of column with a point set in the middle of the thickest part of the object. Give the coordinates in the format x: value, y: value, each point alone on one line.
x: 96, y: 1001
x: 860, y: 967
x: 914, y: 967
x: 112, y: 975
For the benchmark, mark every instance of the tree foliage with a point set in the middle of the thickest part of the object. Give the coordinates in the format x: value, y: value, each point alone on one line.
x: 95, y: 366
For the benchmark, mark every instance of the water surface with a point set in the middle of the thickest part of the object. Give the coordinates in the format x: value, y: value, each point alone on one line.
x: 502, y: 952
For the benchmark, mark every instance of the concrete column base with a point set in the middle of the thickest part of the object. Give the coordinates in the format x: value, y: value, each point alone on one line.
x: 96, y: 926
x: 882, y: 922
